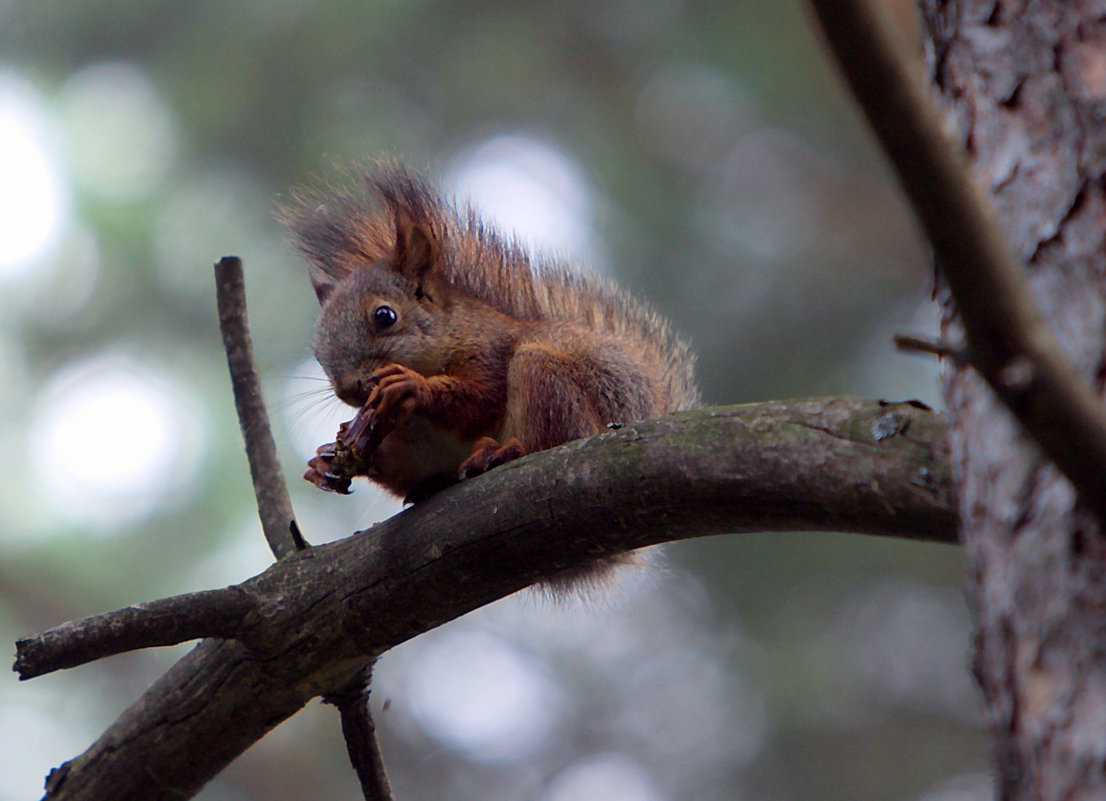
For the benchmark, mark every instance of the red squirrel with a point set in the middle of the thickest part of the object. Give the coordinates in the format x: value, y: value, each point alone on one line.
x: 459, y: 350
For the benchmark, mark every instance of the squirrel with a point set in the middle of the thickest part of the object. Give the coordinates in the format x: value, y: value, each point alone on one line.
x: 460, y: 351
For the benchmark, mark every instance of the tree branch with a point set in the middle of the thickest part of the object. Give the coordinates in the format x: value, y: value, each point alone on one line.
x: 1008, y: 342
x: 211, y: 613
x: 909, y: 343
x: 278, y: 521
x: 360, y: 732
x: 775, y: 431
x: 274, y: 506
x: 325, y: 613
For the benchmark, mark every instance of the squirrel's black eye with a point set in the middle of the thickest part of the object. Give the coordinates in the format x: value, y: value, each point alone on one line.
x: 384, y: 317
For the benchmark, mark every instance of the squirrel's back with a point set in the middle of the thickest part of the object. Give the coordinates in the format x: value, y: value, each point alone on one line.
x: 344, y: 227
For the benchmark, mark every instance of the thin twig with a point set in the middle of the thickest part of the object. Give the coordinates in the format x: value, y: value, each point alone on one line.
x: 211, y: 613
x: 1007, y: 341
x: 273, y: 503
x: 275, y: 509
x: 360, y: 733
x: 911, y: 343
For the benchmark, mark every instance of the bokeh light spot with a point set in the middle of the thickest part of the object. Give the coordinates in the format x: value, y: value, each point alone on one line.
x: 121, y: 133
x: 691, y: 113
x: 531, y: 191
x: 611, y: 777
x: 32, y: 196
x: 35, y: 730
x: 480, y: 694
x: 112, y: 439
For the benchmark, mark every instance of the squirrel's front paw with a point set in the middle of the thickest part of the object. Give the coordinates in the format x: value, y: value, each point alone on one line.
x: 336, y: 463
x: 396, y: 392
x: 328, y: 470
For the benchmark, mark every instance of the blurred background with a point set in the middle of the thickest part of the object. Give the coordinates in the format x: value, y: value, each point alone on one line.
x: 703, y: 154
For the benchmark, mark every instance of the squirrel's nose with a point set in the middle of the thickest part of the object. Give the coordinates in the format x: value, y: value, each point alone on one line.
x: 352, y: 390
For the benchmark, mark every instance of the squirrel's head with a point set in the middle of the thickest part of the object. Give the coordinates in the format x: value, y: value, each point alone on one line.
x: 374, y: 255
x: 382, y: 311
x: 389, y: 260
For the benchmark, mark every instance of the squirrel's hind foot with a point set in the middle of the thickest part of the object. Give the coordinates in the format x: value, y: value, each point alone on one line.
x: 488, y: 453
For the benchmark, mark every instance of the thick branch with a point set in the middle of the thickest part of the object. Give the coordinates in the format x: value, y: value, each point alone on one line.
x: 1007, y: 341
x: 273, y: 504
x: 909, y: 451
x: 325, y: 613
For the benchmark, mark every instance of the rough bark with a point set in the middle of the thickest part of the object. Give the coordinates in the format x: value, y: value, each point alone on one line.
x: 318, y: 617
x: 1004, y: 338
x: 1026, y: 84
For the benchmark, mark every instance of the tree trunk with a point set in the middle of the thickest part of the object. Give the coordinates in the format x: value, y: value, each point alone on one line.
x: 1026, y: 85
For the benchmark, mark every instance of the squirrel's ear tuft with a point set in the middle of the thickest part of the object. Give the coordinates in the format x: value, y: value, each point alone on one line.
x: 390, y: 218
x: 416, y: 250
x: 334, y: 233
x: 321, y: 281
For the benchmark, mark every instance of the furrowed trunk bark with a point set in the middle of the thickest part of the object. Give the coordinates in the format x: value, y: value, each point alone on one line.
x: 1025, y: 83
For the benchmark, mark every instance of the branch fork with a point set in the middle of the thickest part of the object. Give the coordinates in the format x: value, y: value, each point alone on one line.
x: 313, y: 623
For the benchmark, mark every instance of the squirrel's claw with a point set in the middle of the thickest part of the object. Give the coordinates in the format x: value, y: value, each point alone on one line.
x: 358, y: 434
x: 336, y: 463
x: 396, y: 392
x: 320, y: 474
x: 488, y: 453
